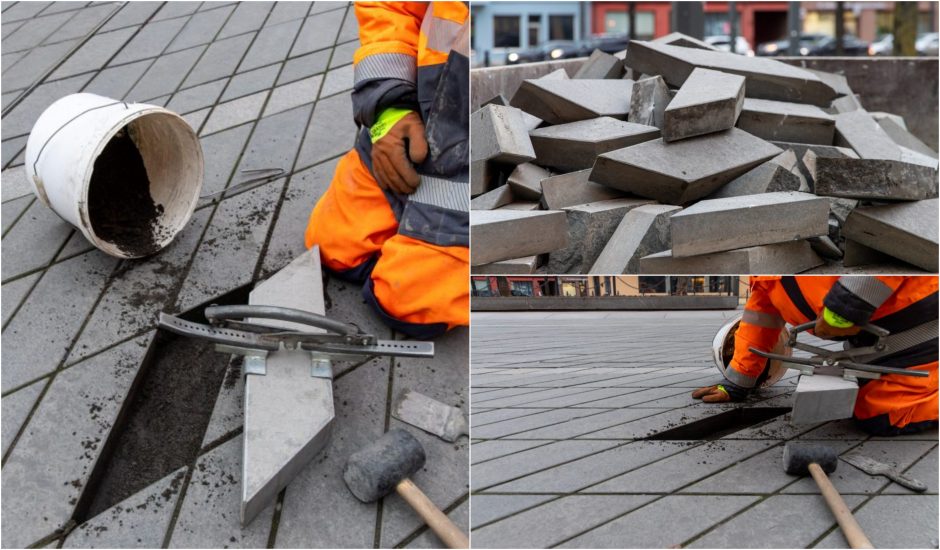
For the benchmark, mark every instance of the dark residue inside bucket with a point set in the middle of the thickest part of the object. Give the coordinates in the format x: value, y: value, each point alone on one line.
x: 120, y: 206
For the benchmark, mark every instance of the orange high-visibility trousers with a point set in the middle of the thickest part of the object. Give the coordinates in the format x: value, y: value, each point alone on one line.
x: 418, y: 288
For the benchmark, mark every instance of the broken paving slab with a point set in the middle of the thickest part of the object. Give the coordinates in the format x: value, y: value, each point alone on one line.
x: 709, y: 101
x: 873, y: 179
x: 575, y: 145
x: 561, y: 101
x: 684, y: 40
x: 907, y: 231
x: 500, y: 135
x: 857, y: 254
x: 770, y: 259
x: 508, y: 234
x: 766, y: 78
x: 491, y: 200
x: 525, y: 206
x: 643, y: 231
x: 590, y: 227
x: 899, y: 133
x: 777, y: 174
x: 724, y: 224
x: 785, y: 121
x: 525, y: 181
x: 481, y: 177
x: 517, y: 266
x: 858, y: 130
x: 600, y: 65
x: 648, y: 101
x: 682, y: 171
x: 574, y: 188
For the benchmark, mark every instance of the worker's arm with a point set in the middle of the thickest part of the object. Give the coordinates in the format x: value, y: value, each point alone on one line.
x: 851, y: 302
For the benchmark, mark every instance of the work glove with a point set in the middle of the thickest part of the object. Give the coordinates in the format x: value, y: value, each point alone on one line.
x: 830, y: 326
x: 398, y: 143
x: 721, y: 393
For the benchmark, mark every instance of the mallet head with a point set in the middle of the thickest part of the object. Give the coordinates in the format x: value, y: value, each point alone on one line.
x: 373, y: 472
x: 798, y: 456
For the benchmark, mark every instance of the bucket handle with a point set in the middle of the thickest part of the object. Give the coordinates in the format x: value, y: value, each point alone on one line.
x: 69, y: 121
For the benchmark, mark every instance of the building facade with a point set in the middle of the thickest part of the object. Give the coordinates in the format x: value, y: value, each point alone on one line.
x: 498, y: 28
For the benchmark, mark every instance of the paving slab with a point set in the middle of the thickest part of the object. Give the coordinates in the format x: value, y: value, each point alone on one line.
x: 648, y: 101
x: 16, y: 408
x: 574, y: 188
x: 784, y: 121
x: 487, y: 508
x: 500, y: 135
x: 780, y: 173
x: 559, y: 101
x: 790, y: 257
x: 575, y: 145
x: 924, y: 470
x: 898, y: 132
x: 708, y: 101
x: 765, y: 218
x: 525, y: 265
x: 873, y: 179
x: 858, y: 130
x: 600, y: 65
x: 907, y: 231
x: 821, y: 398
x: 684, y: 40
x: 856, y: 254
x: 683, y: 171
x: 893, y: 522
x: 643, y: 231
x: 491, y: 200
x: 508, y: 234
x: 590, y: 227
x: 525, y: 181
x: 332, y: 112
x: 766, y: 78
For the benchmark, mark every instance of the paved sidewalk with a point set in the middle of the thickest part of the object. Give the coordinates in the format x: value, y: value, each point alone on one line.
x: 563, y: 404
x: 265, y: 85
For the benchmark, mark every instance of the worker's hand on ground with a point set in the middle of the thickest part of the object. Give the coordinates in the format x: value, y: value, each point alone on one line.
x: 830, y: 325
x: 721, y: 393
x: 398, y: 143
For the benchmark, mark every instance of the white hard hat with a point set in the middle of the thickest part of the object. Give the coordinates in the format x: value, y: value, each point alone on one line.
x: 723, y: 350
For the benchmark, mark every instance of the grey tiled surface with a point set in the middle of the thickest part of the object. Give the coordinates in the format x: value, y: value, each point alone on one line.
x: 563, y: 402
x: 251, y: 78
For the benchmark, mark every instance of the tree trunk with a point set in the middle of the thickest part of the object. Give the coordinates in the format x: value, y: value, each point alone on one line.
x: 905, y: 28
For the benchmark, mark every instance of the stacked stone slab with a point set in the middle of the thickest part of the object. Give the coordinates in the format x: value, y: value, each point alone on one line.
x: 735, y: 165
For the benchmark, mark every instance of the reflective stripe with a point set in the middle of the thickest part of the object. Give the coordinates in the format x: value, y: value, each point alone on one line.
x: 740, y: 379
x: 869, y: 289
x: 461, y: 43
x: 762, y: 319
x: 792, y: 288
x: 386, y: 65
x: 440, y: 33
x: 452, y: 195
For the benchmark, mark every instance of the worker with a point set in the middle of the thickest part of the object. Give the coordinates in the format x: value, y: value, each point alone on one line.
x: 395, y: 217
x: 840, y: 306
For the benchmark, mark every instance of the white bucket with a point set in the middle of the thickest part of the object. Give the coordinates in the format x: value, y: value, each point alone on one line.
x: 71, y: 134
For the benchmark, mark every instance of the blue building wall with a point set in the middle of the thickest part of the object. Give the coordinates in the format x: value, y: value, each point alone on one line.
x: 483, y: 13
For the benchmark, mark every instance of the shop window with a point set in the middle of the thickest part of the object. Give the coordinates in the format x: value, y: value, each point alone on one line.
x: 506, y: 31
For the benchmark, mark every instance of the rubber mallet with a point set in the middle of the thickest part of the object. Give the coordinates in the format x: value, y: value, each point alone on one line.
x: 817, y: 460
x: 385, y: 466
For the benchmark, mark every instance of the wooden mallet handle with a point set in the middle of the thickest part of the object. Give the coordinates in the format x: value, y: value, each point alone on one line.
x: 850, y: 528
x: 449, y: 533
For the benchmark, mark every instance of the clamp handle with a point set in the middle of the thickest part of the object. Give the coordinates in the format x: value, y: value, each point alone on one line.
x: 217, y: 314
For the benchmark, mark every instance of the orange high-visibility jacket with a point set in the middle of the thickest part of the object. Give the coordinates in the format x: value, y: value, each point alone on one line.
x: 415, y: 55
x: 898, y: 304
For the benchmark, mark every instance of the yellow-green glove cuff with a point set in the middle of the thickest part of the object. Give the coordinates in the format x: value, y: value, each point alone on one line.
x: 384, y: 122
x: 836, y: 320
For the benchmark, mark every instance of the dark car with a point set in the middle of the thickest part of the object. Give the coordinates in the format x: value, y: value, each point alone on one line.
x: 607, y: 43
x: 851, y: 45
x: 548, y: 51
x: 781, y: 47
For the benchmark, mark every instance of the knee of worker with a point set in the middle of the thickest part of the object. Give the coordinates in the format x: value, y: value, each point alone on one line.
x: 421, y: 289
x: 881, y: 426
x: 351, y: 220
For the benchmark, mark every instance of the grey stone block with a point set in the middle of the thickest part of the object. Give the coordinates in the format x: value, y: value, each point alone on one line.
x: 819, y: 398
x: 825, y: 247
x: 648, y: 101
x: 492, y: 200
x: 871, y: 179
x: 525, y: 181
x: 574, y: 188
x: 643, y: 231
x: 524, y: 206
x: 526, y: 265
x: 898, y: 132
x: 575, y: 145
x: 557, y: 74
x: 600, y: 65
x: 836, y: 81
x: 201, y: 28
x: 845, y: 104
x: 791, y: 257
x: 139, y: 521
x: 766, y: 78
x: 16, y: 408
x: 709, y: 101
x: 684, y: 40
x: 567, y: 516
x: 906, y: 231
x: 590, y: 227
x: 67, y: 431
x: 319, y: 31
x: 499, y: 135
x: 783, y: 121
x: 857, y: 254
x: 487, y: 508
x: 481, y: 177
x: 507, y: 234
x: 777, y: 174
x: 766, y: 218
x: 856, y: 129
x: 683, y: 171
x: 333, y: 113
x: 902, y: 521
x: 559, y: 101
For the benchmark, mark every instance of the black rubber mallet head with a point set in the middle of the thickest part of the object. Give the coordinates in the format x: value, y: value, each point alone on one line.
x: 800, y: 459
x: 385, y: 466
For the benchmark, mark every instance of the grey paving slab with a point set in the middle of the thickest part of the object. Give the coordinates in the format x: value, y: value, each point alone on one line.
x: 893, y: 522
x: 13, y: 294
x: 251, y: 81
x: 782, y: 121
x: 229, y: 409
x: 200, y: 28
x: 924, y: 470
x: 600, y: 65
x: 427, y: 539
x: 197, y: 97
x: 343, y: 53
x: 276, y: 140
x: 41, y: 333
x: 116, y: 82
x: 708, y: 101
x: 68, y: 431
x: 310, y: 64
x: 12, y: 209
x: 560, y: 101
x: 648, y: 101
x: 338, y: 80
x: 235, y: 112
x: 350, y: 29
x: 643, y: 231
x: 688, y: 517
x: 248, y: 16
x: 21, y: 119
x: 487, y: 508
x: 132, y: 13
x: 590, y: 227
x: 334, y: 113
x: 872, y: 179
x: 94, y: 53
x: 492, y: 199
x: 856, y: 129
x: 287, y: 11
x: 506, y: 468
x: 209, y: 514
x: 271, y: 44
x: 500, y: 135
x: 574, y: 188
x: 898, y: 132
x: 86, y: 20
x: 537, y: 233
x: 220, y: 59
x: 907, y: 231
x: 139, y: 521
x: 152, y: 39
x: 791, y: 257
x: 525, y: 181
x: 16, y: 409
x: 221, y: 151
x: 165, y: 75
x: 24, y: 10
x: 295, y: 94
x: 35, y: 31
x: 12, y: 151
x: 319, y: 31
x: 568, y: 516
x: 176, y: 9
x: 488, y: 450
x: 777, y: 174
x: 575, y: 145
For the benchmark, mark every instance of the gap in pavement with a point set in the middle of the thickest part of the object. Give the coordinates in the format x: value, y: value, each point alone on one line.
x: 720, y: 425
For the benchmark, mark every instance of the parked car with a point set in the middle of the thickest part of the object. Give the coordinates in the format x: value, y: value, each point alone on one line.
x: 927, y: 44
x: 547, y: 51
x: 722, y: 42
x: 780, y: 47
x: 851, y: 45
x: 607, y: 43
x: 883, y: 46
